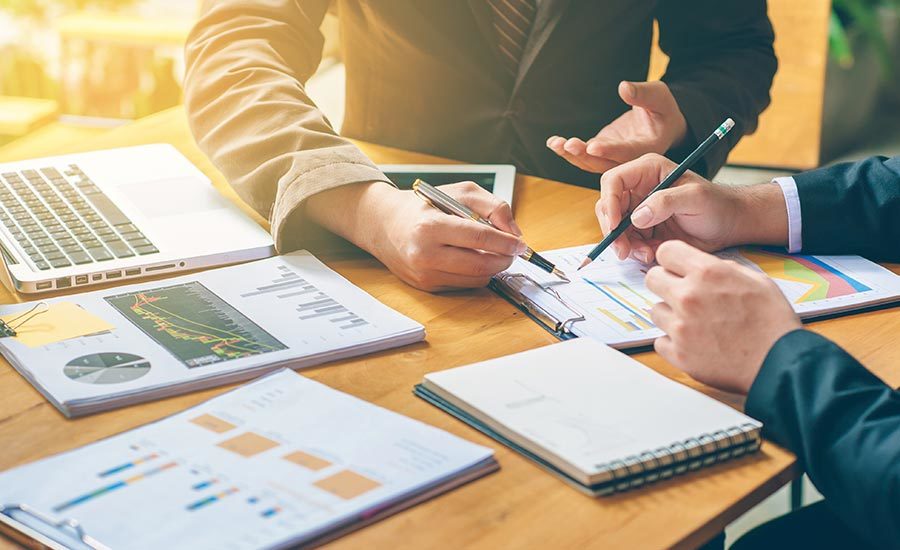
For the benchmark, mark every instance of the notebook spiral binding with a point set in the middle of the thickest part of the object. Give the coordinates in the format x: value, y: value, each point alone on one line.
x: 679, y: 457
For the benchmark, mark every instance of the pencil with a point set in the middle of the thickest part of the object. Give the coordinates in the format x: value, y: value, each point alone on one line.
x: 686, y: 165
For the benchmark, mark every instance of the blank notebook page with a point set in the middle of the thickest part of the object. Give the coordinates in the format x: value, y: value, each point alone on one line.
x: 586, y: 402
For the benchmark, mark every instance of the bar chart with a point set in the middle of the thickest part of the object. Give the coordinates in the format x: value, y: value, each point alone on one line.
x: 311, y: 302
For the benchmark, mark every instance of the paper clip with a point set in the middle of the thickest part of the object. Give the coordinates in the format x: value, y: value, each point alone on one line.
x: 8, y: 328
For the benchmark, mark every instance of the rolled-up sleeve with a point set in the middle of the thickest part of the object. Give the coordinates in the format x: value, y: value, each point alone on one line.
x: 247, y: 65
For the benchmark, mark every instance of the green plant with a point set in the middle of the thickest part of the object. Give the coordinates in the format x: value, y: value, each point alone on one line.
x: 864, y: 15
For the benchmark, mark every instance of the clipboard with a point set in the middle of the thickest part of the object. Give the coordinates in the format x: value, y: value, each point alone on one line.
x: 509, y: 285
x: 33, y: 529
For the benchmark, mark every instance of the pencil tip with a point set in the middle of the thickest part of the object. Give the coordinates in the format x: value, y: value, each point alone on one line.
x: 584, y: 264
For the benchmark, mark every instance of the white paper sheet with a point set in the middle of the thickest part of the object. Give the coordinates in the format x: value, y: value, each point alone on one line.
x: 280, y: 459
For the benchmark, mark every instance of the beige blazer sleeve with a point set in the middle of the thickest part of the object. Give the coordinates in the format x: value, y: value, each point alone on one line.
x: 247, y: 63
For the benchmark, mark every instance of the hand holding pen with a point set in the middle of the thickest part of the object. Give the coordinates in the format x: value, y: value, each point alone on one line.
x: 449, y: 205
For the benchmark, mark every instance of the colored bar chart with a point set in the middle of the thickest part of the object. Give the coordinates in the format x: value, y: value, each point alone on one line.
x: 113, y: 487
x: 128, y: 465
x: 203, y: 502
x: 633, y: 308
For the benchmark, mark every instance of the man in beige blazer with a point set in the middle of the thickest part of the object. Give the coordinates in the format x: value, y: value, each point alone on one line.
x: 475, y: 80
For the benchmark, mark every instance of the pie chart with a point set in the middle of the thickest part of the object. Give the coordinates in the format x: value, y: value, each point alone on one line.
x: 106, y: 368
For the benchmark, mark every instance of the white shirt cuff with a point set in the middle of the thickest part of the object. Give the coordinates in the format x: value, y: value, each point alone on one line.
x: 795, y: 220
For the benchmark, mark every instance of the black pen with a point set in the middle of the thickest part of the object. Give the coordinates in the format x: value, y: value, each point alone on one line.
x: 686, y: 165
x: 447, y: 204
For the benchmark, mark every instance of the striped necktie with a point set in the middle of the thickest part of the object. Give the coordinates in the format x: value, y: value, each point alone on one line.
x: 512, y: 21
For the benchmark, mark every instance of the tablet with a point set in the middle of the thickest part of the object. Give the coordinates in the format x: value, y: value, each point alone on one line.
x: 499, y: 179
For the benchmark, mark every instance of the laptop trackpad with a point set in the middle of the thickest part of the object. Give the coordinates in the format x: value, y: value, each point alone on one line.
x: 172, y: 197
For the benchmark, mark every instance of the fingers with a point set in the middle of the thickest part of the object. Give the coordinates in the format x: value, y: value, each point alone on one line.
x: 440, y: 268
x: 681, y: 259
x: 664, y: 317
x: 468, y: 234
x: 666, y: 348
x: 664, y: 204
x: 574, y: 150
x: 616, y: 150
x: 662, y: 282
x: 472, y: 264
x: 486, y: 204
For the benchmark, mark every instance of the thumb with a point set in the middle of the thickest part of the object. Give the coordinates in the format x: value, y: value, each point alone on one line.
x: 662, y: 205
x: 653, y: 96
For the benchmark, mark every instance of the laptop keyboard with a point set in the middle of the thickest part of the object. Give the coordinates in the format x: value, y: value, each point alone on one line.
x: 60, y: 221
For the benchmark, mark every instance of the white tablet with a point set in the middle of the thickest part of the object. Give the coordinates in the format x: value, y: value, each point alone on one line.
x: 499, y: 179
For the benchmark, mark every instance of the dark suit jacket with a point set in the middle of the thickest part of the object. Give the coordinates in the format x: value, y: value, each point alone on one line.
x: 425, y: 75
x: 814, y: 398
x: 852, y: 208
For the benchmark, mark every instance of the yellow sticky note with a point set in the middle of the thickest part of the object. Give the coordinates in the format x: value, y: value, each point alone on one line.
x: 61, y: 321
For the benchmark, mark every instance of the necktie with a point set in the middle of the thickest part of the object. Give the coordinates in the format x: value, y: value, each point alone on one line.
x: 512, y: 21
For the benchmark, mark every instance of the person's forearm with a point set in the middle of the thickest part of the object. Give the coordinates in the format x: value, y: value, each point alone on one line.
x: 249, y: 111
x: 352, y: 211
x: 762, y: 216
x: 844, y: 425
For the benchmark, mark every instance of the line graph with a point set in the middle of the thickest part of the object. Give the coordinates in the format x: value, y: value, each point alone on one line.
x: 193, y: 324
x: 628, y: 308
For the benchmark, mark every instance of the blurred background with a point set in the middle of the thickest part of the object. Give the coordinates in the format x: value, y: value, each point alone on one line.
x: 74, y: 68
x: 71, y: 70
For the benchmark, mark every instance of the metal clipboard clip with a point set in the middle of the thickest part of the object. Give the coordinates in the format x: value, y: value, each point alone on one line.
x: 559, y: 325
x: 69, y: 528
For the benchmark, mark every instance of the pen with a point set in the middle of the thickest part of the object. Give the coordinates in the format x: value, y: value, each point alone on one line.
x: 686, y: 165
x: 447, y: 204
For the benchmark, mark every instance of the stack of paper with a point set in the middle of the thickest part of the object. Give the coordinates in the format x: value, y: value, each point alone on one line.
x: 280, y: 462
x: 165, y: 337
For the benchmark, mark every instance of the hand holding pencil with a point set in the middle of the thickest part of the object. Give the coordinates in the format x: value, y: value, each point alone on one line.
x: 703, y: 214
x: 621, y: 195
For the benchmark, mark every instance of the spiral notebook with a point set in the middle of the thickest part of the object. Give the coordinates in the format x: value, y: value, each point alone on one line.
x: 608, y: 301
x: 598, y: 419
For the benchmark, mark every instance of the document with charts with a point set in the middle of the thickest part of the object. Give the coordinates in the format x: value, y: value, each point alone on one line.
x: 281, y: 462
x: 608, y: 300
x: 210, y: 328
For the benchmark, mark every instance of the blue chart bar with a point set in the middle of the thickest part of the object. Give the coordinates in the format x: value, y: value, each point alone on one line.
x: 112, y: 487
x: 127, y: 465
x: 270, y: 512
x: 204, y: 484
x: 210, y: 499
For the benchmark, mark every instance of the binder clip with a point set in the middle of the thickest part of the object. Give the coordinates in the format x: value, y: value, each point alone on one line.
x: 8, y: 328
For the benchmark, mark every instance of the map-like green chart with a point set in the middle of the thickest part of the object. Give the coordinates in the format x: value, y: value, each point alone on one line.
x: 193, y: 324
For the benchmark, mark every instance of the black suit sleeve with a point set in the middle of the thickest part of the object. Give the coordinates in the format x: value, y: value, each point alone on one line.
x: 852, y: 208
x: 844, y: 425
x: 721, y: 64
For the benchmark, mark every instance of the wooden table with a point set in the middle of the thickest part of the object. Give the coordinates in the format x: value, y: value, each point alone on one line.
x: 520, y: 506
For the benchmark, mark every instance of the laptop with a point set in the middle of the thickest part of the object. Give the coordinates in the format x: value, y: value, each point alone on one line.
x: 84, y: 219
